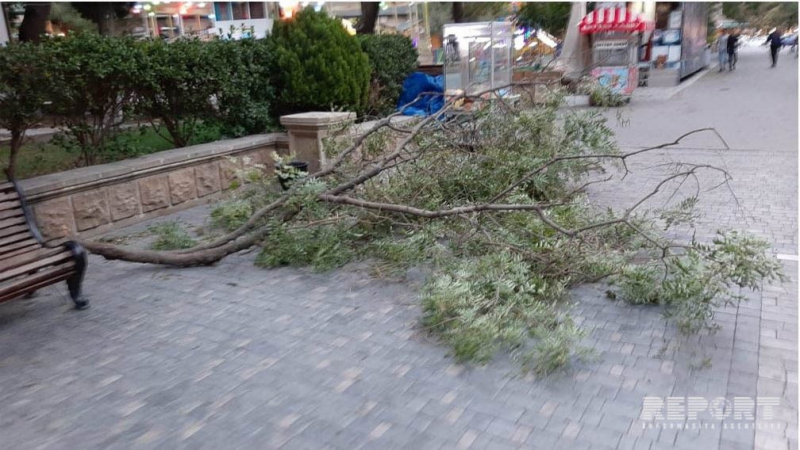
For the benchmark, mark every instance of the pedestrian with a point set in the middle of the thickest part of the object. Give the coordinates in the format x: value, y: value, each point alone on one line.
x: 733, y: 42
x: 722, y: 48
x: 775, y: 42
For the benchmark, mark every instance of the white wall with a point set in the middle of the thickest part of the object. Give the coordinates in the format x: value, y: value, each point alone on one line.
x: 3, y: 27
x: 262, y: 27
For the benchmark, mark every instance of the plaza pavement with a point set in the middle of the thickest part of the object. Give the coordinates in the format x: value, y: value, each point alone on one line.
x: 237, y: 357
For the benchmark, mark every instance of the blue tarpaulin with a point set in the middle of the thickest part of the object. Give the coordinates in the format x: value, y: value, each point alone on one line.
x: 428, y: 104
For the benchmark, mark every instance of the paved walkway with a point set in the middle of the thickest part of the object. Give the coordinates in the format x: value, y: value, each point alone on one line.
x: 233, y: 356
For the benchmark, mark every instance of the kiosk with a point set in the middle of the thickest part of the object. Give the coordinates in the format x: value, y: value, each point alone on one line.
x: 477, y: 57
x: 615, y: 46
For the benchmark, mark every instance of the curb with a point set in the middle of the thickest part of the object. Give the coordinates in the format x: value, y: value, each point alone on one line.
x: 668, y: 93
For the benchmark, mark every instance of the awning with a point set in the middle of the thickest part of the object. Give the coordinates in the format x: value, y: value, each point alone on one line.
x: 613, y: 19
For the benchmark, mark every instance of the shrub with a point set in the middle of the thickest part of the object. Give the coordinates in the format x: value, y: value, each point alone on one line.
x: 246, y: 98
x: 604, y: 96
x: 175, y: 86
x: 23, y: 90
x: 392, y: 58
x: 231, y: 215
x: 318, y: 65
x: 171, y: 236
x: 91, y: 84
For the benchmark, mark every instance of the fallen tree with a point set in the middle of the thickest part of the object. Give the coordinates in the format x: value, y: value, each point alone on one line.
x: 494, y: 204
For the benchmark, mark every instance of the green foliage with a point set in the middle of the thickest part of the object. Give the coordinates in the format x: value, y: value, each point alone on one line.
x: 188, y: 85
x: 91, y: 81
x: 246, y: 96
x: 762, y: 14
x: 605, y: 97
x: 66, y: 16
x: 231, y: 215
x: 556, y: 348
x: 501, y: 280
x: 171, y: 236
x: 318, y: 65
x: 175, y: 85
x: 498, y: 301
x: 23, y: 91
x: 705, y: 277
x: 392, y: 58
x: 639, y: 284
x: 550, y: 16
x: 325, y: 247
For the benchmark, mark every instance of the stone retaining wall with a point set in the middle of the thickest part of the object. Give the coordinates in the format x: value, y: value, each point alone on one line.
x: 92, y: 200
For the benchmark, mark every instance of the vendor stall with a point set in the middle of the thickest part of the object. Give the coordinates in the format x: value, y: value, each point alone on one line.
x: 615, y: 46
x: 477, y: 57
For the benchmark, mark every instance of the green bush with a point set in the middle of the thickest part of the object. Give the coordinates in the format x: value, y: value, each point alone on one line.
x: 392, y: 58
x: 91, y: 86
x: 175, y: 86
x: 318, y: 66
x: 23, y: 91
x: 246, y: 97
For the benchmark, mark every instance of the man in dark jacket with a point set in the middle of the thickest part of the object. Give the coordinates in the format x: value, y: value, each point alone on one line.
x: 775, y: 42
x: 733, y: 43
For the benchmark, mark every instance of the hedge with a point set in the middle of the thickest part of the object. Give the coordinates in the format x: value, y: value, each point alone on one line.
x: 93, y: 83
x: 392, y: 58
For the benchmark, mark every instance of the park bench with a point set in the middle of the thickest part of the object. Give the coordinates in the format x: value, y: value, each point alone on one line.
x: 29, y: 263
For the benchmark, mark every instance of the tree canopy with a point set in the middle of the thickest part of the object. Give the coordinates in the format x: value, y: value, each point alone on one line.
x: 552, y: 17
x: 762, y: 14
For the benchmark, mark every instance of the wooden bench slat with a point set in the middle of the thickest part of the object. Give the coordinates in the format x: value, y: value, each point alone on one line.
x: 36, y: 281
x: 12, y: 204
x: 11, y: 213
x: 28, y: 246
x: 31, y: 256
x: 42, y: 263
x: 6, y: 185
x: 8, y: 196
x: 14, y: 238
x: 7, y: 223
x: 14, y: 230
x: 18, y: 245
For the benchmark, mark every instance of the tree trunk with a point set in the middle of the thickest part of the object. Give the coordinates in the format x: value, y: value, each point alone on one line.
x: 369, y: 17
x: 458, y: 12
x: 106, y: 23
x: 14, y: 145
x: 575, y: 49
x: 34, y: 23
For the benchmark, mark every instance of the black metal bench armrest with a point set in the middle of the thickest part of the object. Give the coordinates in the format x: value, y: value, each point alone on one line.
x: 27, y: 211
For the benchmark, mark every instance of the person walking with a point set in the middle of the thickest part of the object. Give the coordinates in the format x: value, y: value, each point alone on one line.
x: 775, y: 42
x: 722, y: 48
x: 731, y: 45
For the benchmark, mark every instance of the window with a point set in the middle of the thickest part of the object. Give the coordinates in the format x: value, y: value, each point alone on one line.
x: 222, y: 10
x: 240, y: 11
x: 257, y: 10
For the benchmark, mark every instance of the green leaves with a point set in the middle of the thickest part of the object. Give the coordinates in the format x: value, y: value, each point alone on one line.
x: 23, y: 91
x: 392, y: 58
x: 318, y: 65
x: 171, y: 236
x: 91, y: 79
x: 704, y: 277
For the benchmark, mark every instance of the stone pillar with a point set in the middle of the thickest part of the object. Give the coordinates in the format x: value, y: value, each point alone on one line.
x: 306, y: 131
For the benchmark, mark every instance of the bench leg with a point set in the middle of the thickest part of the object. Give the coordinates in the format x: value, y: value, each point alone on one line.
x: 75, y: 282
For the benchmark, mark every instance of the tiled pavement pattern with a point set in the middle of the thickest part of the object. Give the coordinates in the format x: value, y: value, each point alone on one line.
x: 233, y: 356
